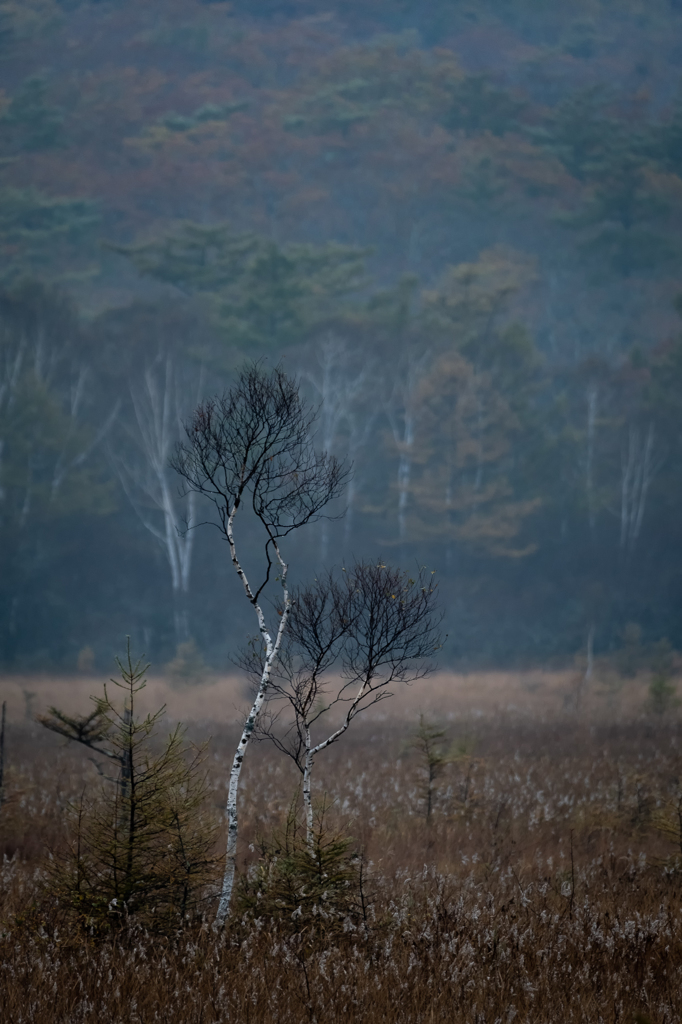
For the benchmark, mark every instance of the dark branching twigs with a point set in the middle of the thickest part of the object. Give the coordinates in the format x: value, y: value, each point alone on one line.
x: 255, y: 442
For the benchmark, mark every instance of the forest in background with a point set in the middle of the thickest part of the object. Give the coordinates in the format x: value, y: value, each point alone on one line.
x: 458, y: 223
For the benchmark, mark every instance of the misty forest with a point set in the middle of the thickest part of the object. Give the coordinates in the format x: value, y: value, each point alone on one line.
x: 340, y: 360
x: 457, y: 223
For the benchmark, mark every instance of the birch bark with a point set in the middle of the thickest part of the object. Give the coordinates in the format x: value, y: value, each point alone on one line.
x: 401, y: 414
x: 341, y: 384
x: 637, y: 473
x: 272, y: 648
x: 311, y: 752
x: 158, y: 404
x: 592, y: 398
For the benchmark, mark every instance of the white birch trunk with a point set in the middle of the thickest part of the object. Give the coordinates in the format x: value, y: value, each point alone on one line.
x: 405, y: 474
x: 592, y: 396
x: 310, y: 755
x: 307, y: 799
x: 271, y: 652
x: 341, y: 389
x: 586, y: 677
x: 636, y: 476
x: 402, y: 421
x: 158, y: 407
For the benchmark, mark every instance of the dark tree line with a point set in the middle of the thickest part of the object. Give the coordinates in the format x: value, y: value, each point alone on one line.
x: 459, y: 226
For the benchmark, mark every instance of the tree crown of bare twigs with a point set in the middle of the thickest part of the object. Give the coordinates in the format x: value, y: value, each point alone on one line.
x: 374, y: 623
x: 255, y: 441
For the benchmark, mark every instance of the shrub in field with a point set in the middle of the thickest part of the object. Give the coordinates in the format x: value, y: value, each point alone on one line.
x: 662, y: 695
x: 188, y: 667
x: 430, y: 744
x: 306, y: 889
x: 662, y: 691
x: 142, y: 846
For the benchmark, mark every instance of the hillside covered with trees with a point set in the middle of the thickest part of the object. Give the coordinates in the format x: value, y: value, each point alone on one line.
x: 457, y: 222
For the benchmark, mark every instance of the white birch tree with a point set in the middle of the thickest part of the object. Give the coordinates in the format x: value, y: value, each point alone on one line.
x: 592, y: 396
x: 342, y: 382
x: 401, y: 412
x: 637, y: 471
x: 251, y: 451
x: 43, y: 362
x: 351, y: 636
x: 160, y: 399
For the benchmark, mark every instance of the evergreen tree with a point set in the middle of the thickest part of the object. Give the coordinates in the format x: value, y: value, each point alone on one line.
x: 143, y: 848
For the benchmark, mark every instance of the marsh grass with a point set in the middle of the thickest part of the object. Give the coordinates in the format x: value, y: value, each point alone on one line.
x: 543, y: 889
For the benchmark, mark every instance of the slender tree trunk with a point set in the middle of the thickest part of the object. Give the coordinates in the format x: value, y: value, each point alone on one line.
x: 307, y: 799
x: 2, y: 753
x: 128, y: 790
x: 272, y: 650
x: 404, y: 476
x: 309, y: 760
x: 127, y: 761
x: 340, y: 389
x: 180, y: 616
x: 429, y: 798
x: 592, y: 396
x: 233, y: 791
x: 402, y: 423
x: 636, y: 476
x: 586, y: 677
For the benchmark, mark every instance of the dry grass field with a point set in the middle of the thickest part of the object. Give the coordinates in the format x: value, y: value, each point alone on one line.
x: 533, y: 694
x: 546, y: 886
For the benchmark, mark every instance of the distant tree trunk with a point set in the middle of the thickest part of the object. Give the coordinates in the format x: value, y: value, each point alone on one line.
x: 341, y: 385
x: 2, y: 752
x: 592, y: 400
x: 636, y: 475
x: 401, y: 415
x: 586, y: 677
x: 158, y: 403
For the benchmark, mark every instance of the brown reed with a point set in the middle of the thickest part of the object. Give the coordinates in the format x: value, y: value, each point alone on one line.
x: 543, y: 889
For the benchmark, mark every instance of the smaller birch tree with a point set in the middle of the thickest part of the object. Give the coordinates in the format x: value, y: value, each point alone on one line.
x: 252, y: 449
x: 350, y: 638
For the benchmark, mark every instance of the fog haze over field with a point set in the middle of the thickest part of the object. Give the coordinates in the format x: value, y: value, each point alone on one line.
x: 458, y: 224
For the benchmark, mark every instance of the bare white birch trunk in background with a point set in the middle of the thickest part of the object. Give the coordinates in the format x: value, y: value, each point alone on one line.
x: 358, y: 435
x: 592, y: 399
x: 401, y: 414
x: 66, y: 462
x: 637, y: 473
x: 43, y: 365
x: 158, y: 406
x: 405, y: 473
x: 340, y: 389
x: 586, y: 677
x: 271, y: 651
x: 11, y: 370
x: 331, y: 394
